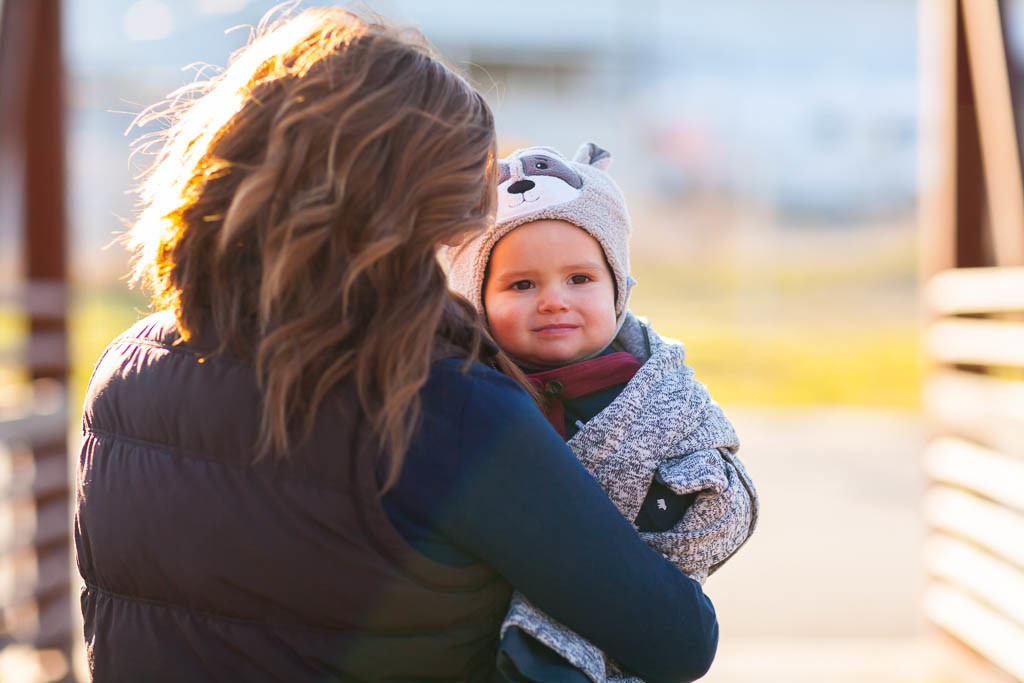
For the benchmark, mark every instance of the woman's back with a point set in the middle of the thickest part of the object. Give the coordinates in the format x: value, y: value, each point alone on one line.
x: 225, y: 569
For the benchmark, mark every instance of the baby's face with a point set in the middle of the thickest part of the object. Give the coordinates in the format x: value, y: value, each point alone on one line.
x: 550, y: 298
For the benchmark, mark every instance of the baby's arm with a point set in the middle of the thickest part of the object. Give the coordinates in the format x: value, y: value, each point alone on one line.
x: 662, y: 508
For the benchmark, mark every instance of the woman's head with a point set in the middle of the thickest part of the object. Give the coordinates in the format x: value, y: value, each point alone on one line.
x: 296, y: 204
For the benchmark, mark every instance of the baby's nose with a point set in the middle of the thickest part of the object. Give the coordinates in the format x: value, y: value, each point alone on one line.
x: 521, y: 186
x: 552, y: 300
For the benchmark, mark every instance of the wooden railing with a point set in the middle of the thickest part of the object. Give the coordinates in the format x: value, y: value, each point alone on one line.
x: 972, y: 264
x: 35, y: 505
x: 35, y: 496
x: 974, y: 505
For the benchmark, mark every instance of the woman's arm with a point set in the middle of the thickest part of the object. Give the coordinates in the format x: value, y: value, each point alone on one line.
x: 523, y: 504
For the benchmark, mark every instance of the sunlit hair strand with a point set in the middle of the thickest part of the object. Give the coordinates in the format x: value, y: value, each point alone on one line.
x: 295, y: 207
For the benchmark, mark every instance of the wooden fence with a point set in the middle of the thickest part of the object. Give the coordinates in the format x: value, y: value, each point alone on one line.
x: 972, y: 229
x: 35, y: 511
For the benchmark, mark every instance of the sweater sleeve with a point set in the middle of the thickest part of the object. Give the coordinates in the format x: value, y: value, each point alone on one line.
x: 524, y: 504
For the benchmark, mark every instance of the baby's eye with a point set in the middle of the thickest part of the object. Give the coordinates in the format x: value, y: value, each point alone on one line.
x: 522, y: 285
x: 579, y: 279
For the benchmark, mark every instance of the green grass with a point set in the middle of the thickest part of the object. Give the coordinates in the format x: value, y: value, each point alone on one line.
x: 95, y: 319
x: 13, y: 326
x: 791, y: 331
x: 799, y: 366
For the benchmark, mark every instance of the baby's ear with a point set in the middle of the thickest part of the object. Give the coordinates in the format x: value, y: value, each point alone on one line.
x: 591, y: 154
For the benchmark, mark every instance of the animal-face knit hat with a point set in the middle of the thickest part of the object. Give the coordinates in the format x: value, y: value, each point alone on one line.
x: 537, y: 183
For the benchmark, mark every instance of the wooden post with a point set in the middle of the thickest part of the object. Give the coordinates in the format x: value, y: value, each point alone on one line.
x: 1000, y: 151
x: 939, y: 120
x: 39, y: 559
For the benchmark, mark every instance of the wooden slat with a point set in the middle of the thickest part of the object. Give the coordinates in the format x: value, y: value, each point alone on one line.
x: 975, y: 290
x: 34, y: 427
x: 31, y: 524
x: 986, y: 409
x: 996, y: 583
x: 1000, y: 153
x: 54, y: 572
x: 55, y: 623
x: 35, y: 577
x: 993, y: 636
x: 989, y: 525
x: 17, y: 525
x: 955, y: 662
x: 41, y: 297
x: 22, y: 476
x: 21, y: 620
x: 12, y: 464
x: 52, y: 522
x: 42, y: 349
x: 42, y: 623
x: 20, y: 574
x: 990, y: 473
x: 976, y: 342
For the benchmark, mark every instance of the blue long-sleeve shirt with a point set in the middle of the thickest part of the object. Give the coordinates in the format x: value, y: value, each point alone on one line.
x: 487, y: 479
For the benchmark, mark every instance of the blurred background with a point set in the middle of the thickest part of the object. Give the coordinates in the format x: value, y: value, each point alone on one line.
x: 778, y: 159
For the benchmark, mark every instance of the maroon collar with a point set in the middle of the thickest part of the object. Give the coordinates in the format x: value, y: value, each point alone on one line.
x: 579, y: 379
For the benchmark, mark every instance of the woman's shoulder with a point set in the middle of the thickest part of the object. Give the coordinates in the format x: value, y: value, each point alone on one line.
x: 479, y: 383
x: 156, y: 331
x: 156, y: 328
x: 480, y: 404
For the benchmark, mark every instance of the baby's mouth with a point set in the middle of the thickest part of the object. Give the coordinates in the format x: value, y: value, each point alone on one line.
x: 554, y: 330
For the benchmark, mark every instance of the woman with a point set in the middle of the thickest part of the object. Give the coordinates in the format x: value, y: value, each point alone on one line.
x: 306, y: 465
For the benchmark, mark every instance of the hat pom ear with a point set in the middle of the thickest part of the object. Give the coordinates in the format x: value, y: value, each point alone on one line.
x: 591, y: 154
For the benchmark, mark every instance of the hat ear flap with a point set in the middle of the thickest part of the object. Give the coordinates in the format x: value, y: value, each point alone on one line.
x: 591, y: 154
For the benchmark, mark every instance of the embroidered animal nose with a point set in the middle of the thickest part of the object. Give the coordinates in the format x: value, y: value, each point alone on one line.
x: 521, y: 186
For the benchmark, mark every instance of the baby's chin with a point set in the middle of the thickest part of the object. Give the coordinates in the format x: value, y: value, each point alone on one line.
x: 553, y: 359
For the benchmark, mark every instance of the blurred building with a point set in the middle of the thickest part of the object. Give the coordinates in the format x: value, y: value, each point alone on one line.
x: 804, y: 106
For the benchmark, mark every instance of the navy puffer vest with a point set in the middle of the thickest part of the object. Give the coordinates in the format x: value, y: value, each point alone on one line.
x: 201, y: 565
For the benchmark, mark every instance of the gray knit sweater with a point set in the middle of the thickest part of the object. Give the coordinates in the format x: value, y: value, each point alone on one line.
x: 663, y: 424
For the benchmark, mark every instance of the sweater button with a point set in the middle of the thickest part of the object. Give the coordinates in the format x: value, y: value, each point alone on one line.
x: 553, y: 388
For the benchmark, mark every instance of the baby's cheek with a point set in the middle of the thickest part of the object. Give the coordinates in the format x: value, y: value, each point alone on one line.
x: 501, y: 325
x: 607, y: 326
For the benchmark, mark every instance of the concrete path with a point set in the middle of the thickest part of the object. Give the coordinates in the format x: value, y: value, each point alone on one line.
x: 837, y: 551
x: 828, y: 587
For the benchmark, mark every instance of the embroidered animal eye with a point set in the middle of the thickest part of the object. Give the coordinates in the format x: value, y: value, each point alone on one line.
x: 540, y: 165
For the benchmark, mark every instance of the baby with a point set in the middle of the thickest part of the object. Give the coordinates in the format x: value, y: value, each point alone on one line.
x: 550, y: 302
x: 552, y: 282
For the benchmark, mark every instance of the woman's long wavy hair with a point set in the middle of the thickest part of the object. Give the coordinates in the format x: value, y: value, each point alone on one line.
x: 296, y: 205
